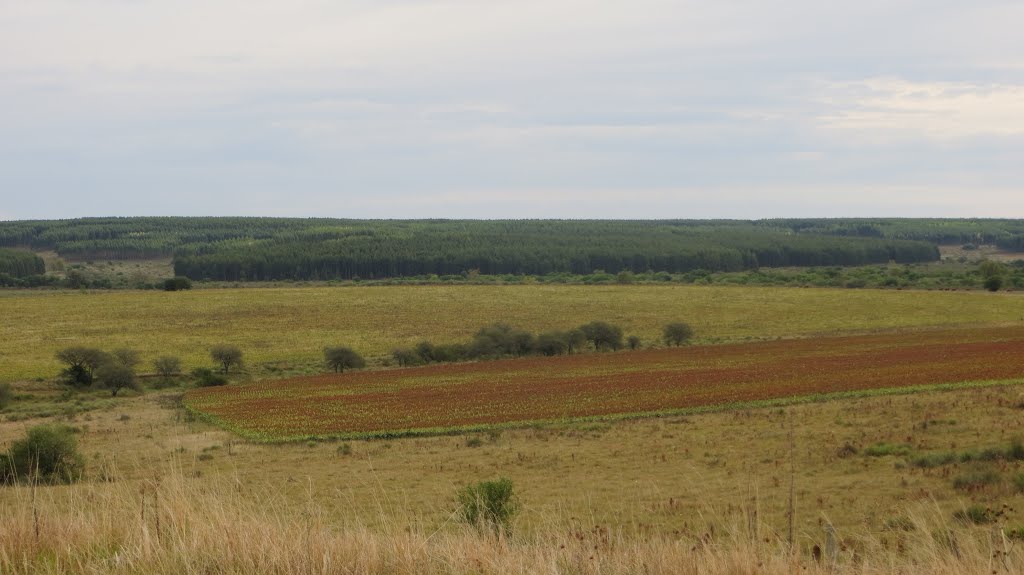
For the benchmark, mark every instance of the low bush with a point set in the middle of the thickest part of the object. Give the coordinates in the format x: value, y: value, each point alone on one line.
x: 48, y: 454
x: 489, y: 505
x: 206, y: 377
x: 975, y: 480
x: 178, y: 283
x: 975, y: 514
x: 884, y: 449
x: 6, y: 395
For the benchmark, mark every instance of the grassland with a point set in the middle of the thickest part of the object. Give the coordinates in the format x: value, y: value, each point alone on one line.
x: 282, y: 331
x: 441, y: 398
x: 700, y: 492
x: 697, y: 494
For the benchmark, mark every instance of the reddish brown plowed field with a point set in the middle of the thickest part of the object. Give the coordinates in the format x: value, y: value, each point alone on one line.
x: 448, y: 396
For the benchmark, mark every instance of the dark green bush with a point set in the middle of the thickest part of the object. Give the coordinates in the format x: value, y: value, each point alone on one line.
x: 48, y: 453
x: 205, y: 377
x: 177, y: 284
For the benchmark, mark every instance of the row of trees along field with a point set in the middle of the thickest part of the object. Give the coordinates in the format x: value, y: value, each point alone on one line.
x: 20, y: 263
x: 239, y: 249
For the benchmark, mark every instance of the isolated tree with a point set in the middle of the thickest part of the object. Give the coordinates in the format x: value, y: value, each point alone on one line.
x: 126, y: 357
x: 341, y: 358
x: 994, y: 283
x: 82, y: 363
x: 602, y: 335
x: 227, y: 356
x: 167, y: 366
x: 677, y: 333
x: 633, y: 342
x: 115, y: 377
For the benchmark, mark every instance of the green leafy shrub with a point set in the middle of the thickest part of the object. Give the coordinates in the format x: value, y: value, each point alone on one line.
x: 975, y: 514
x: 177, y: 283
x: 975, y: 480
x: 48, y: 453
x: 205, y: 377
x: 489, y: 505
x: 884, y: 449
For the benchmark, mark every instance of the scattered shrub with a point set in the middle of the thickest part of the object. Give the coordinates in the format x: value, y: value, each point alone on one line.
x: 167, y: 366
x: 975, y: 514
x: 405, y: 357
x: 602, y: 335
x: 489, y: 505
x: 227, y: 356
x: 934, y: 460
x: 975, y: 480
x: 6, y: 395
x: 677, y: 333
x: 205, y: 377
x: 115, y: 377
x: 633, y: 342
x: 48, y: 453
x: 341, y: 358
x: 884, y: 449
x: 178, y: 283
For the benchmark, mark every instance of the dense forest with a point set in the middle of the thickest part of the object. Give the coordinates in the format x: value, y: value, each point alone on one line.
x: 1007, y: 234
x: 238, y: 249
x: 20, y: 263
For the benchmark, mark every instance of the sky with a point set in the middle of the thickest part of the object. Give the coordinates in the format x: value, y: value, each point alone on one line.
x: 512, y: 109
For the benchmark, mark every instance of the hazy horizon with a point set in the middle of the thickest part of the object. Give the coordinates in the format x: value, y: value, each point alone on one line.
x: 529, y: 109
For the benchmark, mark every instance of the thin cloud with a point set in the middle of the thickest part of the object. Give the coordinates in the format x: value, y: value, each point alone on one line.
x: 898, y: 108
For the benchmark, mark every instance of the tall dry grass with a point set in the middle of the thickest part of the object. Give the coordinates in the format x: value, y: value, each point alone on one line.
x: 177, y: 523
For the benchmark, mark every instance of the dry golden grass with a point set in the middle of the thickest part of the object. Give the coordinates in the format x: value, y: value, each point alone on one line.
x: 283, y: 330
x: 178, y: 525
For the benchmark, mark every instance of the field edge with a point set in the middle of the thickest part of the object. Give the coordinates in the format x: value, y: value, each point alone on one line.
x: 520, y: 424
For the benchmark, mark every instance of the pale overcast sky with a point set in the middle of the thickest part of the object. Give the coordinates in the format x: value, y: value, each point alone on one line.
x: 519, y: 108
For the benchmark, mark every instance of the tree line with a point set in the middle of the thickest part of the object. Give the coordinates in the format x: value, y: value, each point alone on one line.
x: 116, y: 370
x: 503, y: 340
